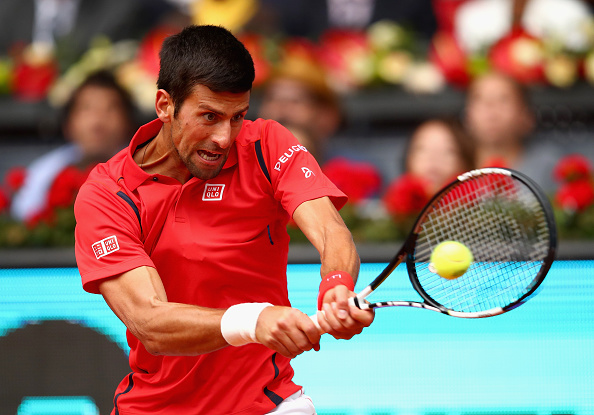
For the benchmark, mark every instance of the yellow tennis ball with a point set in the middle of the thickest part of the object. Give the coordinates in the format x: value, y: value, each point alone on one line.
x: 450, y: 259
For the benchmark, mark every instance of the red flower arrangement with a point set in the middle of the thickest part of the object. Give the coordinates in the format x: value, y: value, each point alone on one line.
x: 65, y: 186
x: 574, y: 200
x: 572, y: 168
x: 54, y: 224
x: 35, y: 71
x: 405, y: 197
x: 61, y: 195
x: 12, y: 182
x: 15, y: 178
x: 347, y: 57
x: 446, y: 53
x: 402, y: 201
x: 576, y: 193
x: 149, y: 47
x: 520, y: 55
x: 358, y: 180
x: 575, y: 196
x: 4, y: 201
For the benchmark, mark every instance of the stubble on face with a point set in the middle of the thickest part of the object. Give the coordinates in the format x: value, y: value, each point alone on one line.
x: 200, y: 173
x: 202, y: 133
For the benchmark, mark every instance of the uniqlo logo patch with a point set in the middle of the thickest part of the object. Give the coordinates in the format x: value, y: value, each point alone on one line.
x: 213, y: 192
x: 105, y: 246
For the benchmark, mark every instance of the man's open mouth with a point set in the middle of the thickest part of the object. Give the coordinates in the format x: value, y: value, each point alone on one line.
x: 208, y: 156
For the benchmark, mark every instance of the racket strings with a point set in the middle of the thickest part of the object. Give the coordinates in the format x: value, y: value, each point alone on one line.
x: 503, y: 224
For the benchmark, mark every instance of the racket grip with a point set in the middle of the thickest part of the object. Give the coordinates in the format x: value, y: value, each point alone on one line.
x: 314, y: 317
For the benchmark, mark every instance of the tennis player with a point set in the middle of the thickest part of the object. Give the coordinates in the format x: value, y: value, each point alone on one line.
x: 184, y: 235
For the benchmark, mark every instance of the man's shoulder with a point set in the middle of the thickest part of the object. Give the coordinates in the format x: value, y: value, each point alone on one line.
x: 106, y: 176
x: 255, y: 130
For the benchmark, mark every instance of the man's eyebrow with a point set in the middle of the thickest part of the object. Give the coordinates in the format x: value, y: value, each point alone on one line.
x: 211, y: 109
x: 247, y: 107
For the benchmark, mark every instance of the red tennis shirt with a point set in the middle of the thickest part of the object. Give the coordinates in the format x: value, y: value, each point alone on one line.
x: 215, y: 243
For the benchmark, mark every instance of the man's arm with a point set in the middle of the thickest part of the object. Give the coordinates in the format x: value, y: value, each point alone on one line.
x: 138, y: 298
x: 325, y: 229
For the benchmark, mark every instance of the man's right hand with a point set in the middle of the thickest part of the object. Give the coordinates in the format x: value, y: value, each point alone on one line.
x: 287, y: 331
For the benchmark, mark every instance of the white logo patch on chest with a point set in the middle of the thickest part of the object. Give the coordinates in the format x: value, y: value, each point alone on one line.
x: 213, y: 192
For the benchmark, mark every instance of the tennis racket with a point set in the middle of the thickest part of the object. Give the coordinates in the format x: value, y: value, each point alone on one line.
x: 505, y: 220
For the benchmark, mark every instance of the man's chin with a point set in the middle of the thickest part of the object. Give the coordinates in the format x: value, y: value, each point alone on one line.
x: 205, y: 174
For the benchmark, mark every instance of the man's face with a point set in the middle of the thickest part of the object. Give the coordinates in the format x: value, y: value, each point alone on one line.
x: 205, y: 128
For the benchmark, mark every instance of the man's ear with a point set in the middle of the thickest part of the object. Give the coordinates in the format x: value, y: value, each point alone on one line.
x: 164, y: 106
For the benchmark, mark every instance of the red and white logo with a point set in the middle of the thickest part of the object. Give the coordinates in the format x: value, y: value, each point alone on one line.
x: 213, y: 192
x: 105, y: 246
x: 287, y: 155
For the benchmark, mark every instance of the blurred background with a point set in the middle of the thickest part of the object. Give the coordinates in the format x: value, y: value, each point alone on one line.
x: 394, y: 98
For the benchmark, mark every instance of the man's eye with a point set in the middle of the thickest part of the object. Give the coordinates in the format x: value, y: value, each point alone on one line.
x: 238, y: 117
x: 210, y: 116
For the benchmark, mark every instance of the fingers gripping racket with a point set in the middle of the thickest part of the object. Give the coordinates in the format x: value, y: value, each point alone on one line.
x: 505, y: 220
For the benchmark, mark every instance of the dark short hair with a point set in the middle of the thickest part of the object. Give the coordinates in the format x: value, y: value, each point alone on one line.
x: 204, y: 55
x: 102, y: 79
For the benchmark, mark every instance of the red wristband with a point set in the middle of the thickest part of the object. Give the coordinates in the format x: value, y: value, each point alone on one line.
x: 331, y: 280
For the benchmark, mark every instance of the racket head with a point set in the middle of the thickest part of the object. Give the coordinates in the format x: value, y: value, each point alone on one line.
x: 506, y: 221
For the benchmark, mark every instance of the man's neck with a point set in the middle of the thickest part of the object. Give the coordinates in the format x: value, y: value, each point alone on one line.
x: 156, y: 158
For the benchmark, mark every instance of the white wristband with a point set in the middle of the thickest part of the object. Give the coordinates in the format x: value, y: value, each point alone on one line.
x: 238, y: 325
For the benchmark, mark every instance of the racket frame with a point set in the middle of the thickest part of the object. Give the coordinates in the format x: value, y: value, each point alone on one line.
x: 405, y: 255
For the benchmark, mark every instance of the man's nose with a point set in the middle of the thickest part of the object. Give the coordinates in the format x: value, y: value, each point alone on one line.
x: 222, y: 135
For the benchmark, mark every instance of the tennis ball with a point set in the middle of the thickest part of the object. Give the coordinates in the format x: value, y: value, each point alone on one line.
x: 450, y: 259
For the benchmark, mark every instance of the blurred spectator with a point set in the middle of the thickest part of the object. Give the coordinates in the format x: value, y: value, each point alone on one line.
x: 304, y: 135
x: 438, y: 151
x: 298, y: 96
x: 98, y: 122
x: 500, y: 119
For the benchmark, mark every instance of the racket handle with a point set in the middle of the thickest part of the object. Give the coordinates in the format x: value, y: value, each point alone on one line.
x: 314, y: 317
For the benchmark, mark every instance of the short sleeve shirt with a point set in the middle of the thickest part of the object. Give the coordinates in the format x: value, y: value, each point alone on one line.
x: 215, y: 243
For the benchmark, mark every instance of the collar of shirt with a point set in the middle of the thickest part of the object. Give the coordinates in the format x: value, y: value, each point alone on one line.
x: 135, y: 176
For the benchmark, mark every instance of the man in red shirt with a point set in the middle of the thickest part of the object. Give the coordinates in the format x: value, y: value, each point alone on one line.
x: 184, y: 235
